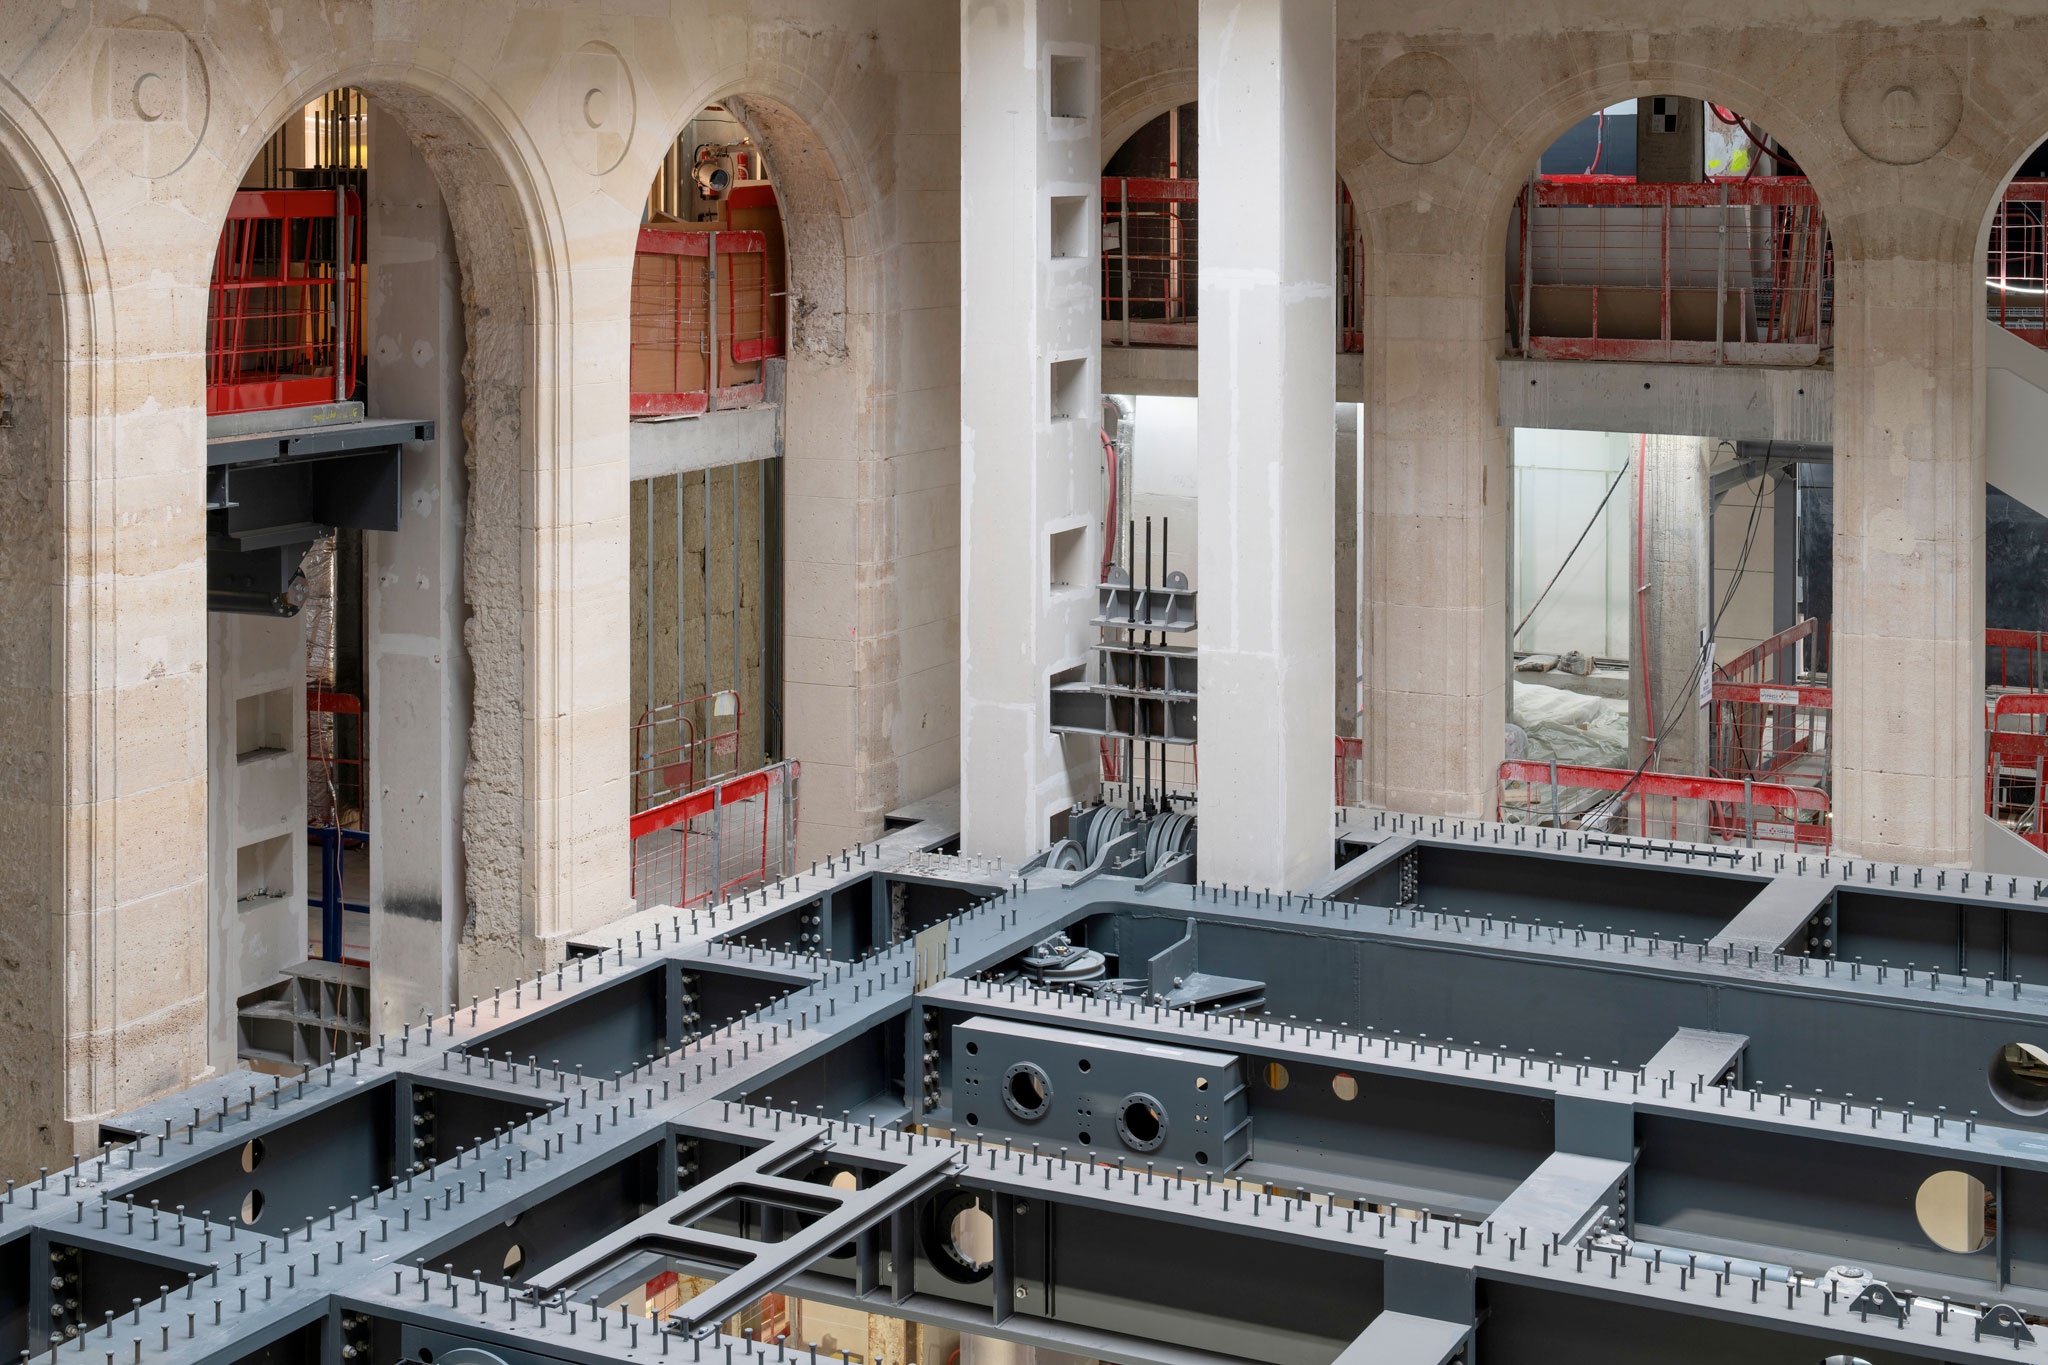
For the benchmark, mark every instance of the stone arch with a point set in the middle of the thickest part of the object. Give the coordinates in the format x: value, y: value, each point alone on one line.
x: 1130, y: 108
x: 58, y: 1044
x: 2020, y: 125
x: 827, y: 213
x: 819, y: 226
x: 516, y: 427
x: 1485, y: 172
x: 840, y: 429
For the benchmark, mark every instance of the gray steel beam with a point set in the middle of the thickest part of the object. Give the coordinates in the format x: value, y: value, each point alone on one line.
x: 1492, y: 922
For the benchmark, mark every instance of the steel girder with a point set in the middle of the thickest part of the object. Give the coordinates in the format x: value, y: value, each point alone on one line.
x: 1675, y: 1133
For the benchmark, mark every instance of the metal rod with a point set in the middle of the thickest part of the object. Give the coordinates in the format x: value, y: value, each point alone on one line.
x: 1131, y: 638
x: 680, y: 668
x: 761, y: 602
x: 1123, y: 249
x: 1528, y: 212
x: 711, y: 373
x: 1721, y: 283
x: 1664, y: 263
x: 707, y: 588
x: 739, y: 716
x: 340, y: 290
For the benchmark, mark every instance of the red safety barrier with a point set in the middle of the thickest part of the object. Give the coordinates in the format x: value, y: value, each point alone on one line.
x: 1151, y: 253
x: 284, y: 319
x: 1350, y: 771
x: 727, y: 837
x: 1663, y: 805
x: 703, y: 321
x: 2015, y: 762
x: 1728, y: 271
x: 2016, y: 660
x: 340, y: 789
x: 680, y: 746
x: 1769, y: 721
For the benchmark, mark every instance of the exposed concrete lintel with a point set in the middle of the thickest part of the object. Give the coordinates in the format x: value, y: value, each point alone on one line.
x: 1169, y: 372
x: 713, y: 441
x: 1728, y: 402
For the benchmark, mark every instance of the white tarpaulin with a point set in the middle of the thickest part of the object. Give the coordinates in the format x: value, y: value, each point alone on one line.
x: 1567, y: 727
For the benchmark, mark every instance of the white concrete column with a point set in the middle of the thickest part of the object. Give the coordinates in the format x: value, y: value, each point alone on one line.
x: 256, y: 813
x: 1908, y: 648
x: 1265, y: 425
x: 1670, y: 553
x: 1030, y: 405
x: 418, y: 706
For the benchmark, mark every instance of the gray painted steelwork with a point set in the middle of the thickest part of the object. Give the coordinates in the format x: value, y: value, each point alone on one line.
x: 1512, y: 1097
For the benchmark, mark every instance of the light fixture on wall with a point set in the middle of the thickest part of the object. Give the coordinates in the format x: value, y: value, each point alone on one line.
x: 709, y: 173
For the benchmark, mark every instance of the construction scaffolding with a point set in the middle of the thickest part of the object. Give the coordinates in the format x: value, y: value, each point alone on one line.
x: 1151, y: 258
x: 1770, y: 713
x: 704, y: 319
x: 1626, y: 801
x: 1725, y: 272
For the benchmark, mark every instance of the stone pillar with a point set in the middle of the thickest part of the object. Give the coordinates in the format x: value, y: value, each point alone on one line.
x: 1030, y: 406
x: 1349, y: 585
x: 1264, y: 430
x: 1436, y: 486
x: 418, y: 706
x: 1908, y: 648
x: 1673, y: 581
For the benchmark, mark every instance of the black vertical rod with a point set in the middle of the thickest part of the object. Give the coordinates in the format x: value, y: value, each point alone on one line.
x: 1131, y: 638
x: 1165, y: 574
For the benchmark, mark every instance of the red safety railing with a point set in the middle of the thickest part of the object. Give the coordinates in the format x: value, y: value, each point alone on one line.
x: 285, y: 308
x: 2015, y: 760
x: 1350, y: 771
x: 2016, y: 262
x: 1663, y: 805
x: 730, y: 836
x: 680, y: 746
x: 1770, y: 713
x: 1151, y: 252
x: 1730, y: 271
x: 336, y: 758
x: 703, y: 320
x: 2014, y: 660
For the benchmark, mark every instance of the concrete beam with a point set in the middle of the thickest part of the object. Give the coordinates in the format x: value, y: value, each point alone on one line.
x: 712, y: 441
x: 1727, y: 402
x: 1170, y: 372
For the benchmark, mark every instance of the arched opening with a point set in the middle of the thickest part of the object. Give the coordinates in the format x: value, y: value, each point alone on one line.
x: 32, y: 413
x: 1150, y: 238
x: 1669, y: 583
x: 365, y: 579
x: 2016, y: 504
x: 739, y: 373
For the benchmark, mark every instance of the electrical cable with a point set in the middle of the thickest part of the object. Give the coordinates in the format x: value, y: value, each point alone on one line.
x: 1599, y: 140
x: 1574, y: 549
x: 1685, y: 692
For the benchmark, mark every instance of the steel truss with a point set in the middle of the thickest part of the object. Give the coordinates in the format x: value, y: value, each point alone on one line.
x: 1684, y: 1139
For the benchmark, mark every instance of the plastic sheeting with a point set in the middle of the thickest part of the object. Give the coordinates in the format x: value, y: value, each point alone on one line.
x: 1567, y: 727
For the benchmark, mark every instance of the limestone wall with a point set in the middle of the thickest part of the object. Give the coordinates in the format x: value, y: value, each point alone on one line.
x: 127, y: 128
